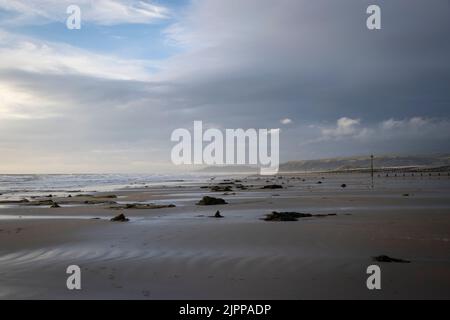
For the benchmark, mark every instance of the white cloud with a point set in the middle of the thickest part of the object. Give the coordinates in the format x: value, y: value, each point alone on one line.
x: 31, y: 55
x: 412, y: 123
x: 16, y: 103
x: 344, y: 127
x: 409, y: 133
x: 102, y: 12
x: 390, y: 129
x: 36, y: 98
x: 286, y: 121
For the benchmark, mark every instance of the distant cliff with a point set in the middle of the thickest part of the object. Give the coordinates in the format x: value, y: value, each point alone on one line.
x: 348, y: 163
x: 364, y: 162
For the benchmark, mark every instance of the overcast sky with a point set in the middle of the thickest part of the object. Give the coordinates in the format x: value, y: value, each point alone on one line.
x: 106, y: 98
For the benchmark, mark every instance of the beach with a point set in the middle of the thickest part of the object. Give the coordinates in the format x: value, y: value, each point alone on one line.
x: 182, y: 252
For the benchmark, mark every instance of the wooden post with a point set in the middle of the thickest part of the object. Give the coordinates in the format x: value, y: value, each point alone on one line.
x: 371, y: 168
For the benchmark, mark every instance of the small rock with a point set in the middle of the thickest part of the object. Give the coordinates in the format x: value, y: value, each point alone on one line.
x: 41, y: 203
x: 55, y: 205
x: 108, y: 196
x: 294, y: 216
x: 218, y: 215
x: 221, y: 189
x: 14, y: 201
x: 93, y: 202
x: 384, y: 258
x: 273, y: 186
x: 286, y: 216
x: 321, y: 215
x: 120, y: 218
x: 142, y: 206
x: 343, y: 185
x: 210, y: 201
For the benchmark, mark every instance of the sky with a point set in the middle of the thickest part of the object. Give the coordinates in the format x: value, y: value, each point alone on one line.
x: 107, y: 97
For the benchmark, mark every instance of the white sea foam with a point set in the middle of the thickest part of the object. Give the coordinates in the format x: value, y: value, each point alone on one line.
x: 15, y: 186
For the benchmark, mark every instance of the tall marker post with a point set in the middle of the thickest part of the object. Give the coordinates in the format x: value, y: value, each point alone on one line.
x: 371, y: 168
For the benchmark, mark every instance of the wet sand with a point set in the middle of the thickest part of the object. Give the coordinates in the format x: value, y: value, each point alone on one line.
x: 182, y: 253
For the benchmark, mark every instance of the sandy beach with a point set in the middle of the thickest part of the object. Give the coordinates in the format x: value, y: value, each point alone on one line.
x: 182, y: 252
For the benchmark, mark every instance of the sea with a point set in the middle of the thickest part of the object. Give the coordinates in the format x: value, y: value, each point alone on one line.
x: 18, y: 186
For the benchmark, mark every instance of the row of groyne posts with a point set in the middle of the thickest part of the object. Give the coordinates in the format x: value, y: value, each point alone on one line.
x: 403, y: 172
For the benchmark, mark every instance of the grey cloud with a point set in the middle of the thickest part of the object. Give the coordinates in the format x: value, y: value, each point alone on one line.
x: 317, y: 59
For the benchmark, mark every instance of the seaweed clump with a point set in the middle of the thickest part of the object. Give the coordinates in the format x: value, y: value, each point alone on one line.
x: 286, y: 216
x: 211, y: 201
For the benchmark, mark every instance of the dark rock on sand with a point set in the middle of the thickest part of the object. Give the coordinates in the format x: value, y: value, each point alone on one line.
x: 218, y: 215
x: 321, y: 215
x: 14, y: 201
x: 294, y: 216
x: 286, y: 216
x: 273, y: 186
x: 211, y: 201
x: 120, y: 218
x: 384, y: 258
x: 55, y: 205
x: 145, y: 206
x: 343, y: 185
x: 95, y: 201
x: 40, y: 203
x: 221, y: 189
x: 108, y: 196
